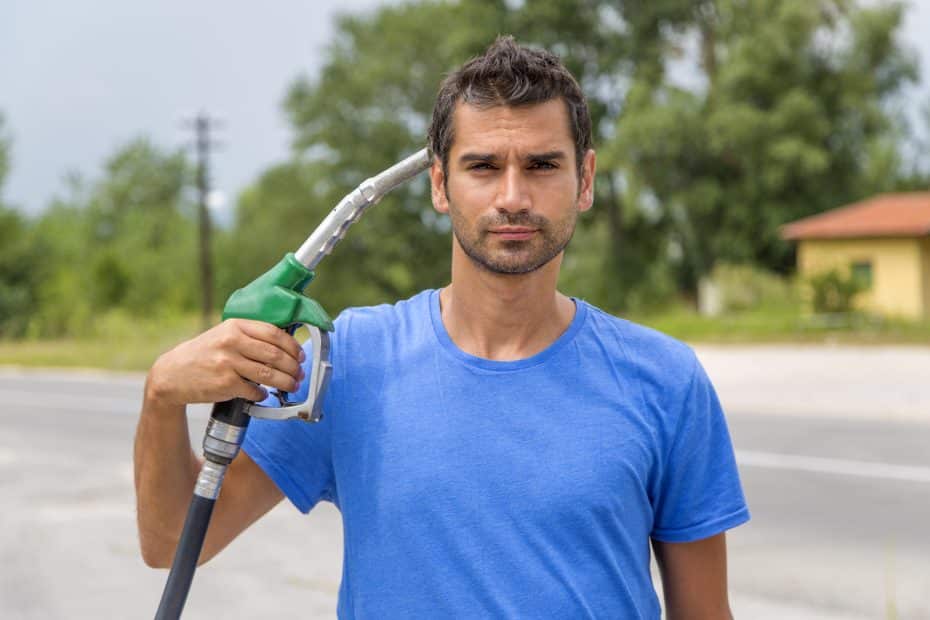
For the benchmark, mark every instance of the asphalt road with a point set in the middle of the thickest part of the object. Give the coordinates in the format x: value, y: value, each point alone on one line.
x: 838, y: 486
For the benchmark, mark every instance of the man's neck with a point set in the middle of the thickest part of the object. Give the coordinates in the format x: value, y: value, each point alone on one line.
x: 504, y: 317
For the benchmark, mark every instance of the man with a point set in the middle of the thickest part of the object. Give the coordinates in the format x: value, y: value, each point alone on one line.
x: 496, y: 448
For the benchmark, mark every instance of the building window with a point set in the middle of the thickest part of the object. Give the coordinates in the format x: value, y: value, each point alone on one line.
x: 862, y: 273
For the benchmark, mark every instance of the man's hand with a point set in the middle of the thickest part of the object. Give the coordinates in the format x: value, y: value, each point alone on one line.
x: 225, y: 362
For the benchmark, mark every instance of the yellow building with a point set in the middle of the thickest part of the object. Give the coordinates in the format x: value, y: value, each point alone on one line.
x: 884, y: 240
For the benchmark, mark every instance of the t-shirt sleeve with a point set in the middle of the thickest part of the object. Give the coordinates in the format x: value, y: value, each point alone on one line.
x: 297, y: 455
x: 700, y: 493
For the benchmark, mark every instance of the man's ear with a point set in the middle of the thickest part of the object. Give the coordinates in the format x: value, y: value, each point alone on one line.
x: 588, y: 168
x: 437, y: 179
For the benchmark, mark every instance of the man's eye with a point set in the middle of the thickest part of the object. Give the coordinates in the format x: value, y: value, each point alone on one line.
x: 543, y: 165
x: 481, y: 166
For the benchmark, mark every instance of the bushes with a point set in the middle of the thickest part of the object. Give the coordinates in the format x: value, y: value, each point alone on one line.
x: 122, y: 244
x: 743, y: 288
x: 832, y: 292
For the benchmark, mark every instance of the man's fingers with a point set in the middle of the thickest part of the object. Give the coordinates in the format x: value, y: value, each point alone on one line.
x: 271, y: 334
x: 269, y: 354
x: 266, y: 375
x: 250, y: 391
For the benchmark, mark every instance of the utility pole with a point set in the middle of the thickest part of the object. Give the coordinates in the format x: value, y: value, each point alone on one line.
x: 203, y: 125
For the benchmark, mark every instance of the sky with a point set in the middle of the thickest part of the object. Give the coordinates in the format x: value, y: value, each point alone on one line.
x: 80, y: 78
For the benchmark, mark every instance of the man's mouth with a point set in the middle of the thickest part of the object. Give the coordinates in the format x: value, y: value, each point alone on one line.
x: 513, y: 233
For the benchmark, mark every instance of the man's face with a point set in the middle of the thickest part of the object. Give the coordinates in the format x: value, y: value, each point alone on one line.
x: 511, y: 188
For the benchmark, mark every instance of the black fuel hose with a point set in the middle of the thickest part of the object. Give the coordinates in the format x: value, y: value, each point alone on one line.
x: 185, y: 559
x: 224, y: 435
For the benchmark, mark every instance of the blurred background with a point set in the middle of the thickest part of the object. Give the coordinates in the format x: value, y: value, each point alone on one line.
x: 156, y: 156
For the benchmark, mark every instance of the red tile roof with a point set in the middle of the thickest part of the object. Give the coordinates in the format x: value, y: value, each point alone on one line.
x: 885, y: 215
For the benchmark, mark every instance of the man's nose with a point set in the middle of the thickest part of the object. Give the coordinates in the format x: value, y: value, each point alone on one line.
x: 512, y: 192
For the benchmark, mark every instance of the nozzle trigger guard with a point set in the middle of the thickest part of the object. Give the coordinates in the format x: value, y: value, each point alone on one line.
x: 311, y: 410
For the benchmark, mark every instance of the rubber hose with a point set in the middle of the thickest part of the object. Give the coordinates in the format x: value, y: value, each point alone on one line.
x: 185, y: 559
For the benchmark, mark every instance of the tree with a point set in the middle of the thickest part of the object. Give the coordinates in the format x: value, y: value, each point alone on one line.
x: 18, y: 288
x: 141, y: 223
x: 376, y: 89
x: 17, y: 258
x: 124, y: 242
x: 790, y: 117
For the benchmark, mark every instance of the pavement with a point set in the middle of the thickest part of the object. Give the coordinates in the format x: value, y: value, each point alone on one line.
x: 843, y: 382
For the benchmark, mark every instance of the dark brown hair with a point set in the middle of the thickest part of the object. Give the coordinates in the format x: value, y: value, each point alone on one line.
x: 510, y: 75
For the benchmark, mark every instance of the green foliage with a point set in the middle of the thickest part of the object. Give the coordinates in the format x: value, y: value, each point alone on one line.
x: 792, y: 112
x: 18, y: 288
x: 370, y: 106
x: 833, y: 292
x: 790, y: 120
x: 762, y: 324
x: 122, y: 242
x: 118, y: 341
x: 744, y: 288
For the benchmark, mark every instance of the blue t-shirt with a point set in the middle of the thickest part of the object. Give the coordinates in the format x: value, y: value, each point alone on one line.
x: 472, y: 488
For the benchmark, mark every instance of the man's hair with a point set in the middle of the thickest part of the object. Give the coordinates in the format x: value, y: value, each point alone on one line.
x: 509, y: 75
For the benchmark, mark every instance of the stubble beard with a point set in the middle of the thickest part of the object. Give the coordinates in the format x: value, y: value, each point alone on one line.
x: 514, y: 257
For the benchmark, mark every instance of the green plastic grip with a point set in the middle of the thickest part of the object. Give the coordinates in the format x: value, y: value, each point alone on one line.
x: 276, y: 297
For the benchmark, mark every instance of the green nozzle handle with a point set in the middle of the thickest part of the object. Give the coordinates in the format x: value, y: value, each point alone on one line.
x: 276, y: 297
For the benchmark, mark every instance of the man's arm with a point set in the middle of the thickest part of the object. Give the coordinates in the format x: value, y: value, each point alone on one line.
x: 694, y: 578
x: 220, y: 364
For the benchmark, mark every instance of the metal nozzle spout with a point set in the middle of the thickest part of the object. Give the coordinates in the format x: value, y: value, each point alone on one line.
x: 332, y: 230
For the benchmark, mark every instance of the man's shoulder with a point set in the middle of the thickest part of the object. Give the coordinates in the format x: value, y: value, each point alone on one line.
x: 654, y: 355
x: 405, y: 314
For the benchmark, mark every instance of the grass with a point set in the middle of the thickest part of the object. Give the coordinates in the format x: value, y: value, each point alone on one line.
x: 123, y: 344
x: 118, y: 343
x: 784, y: 325
x: 133, y: 356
